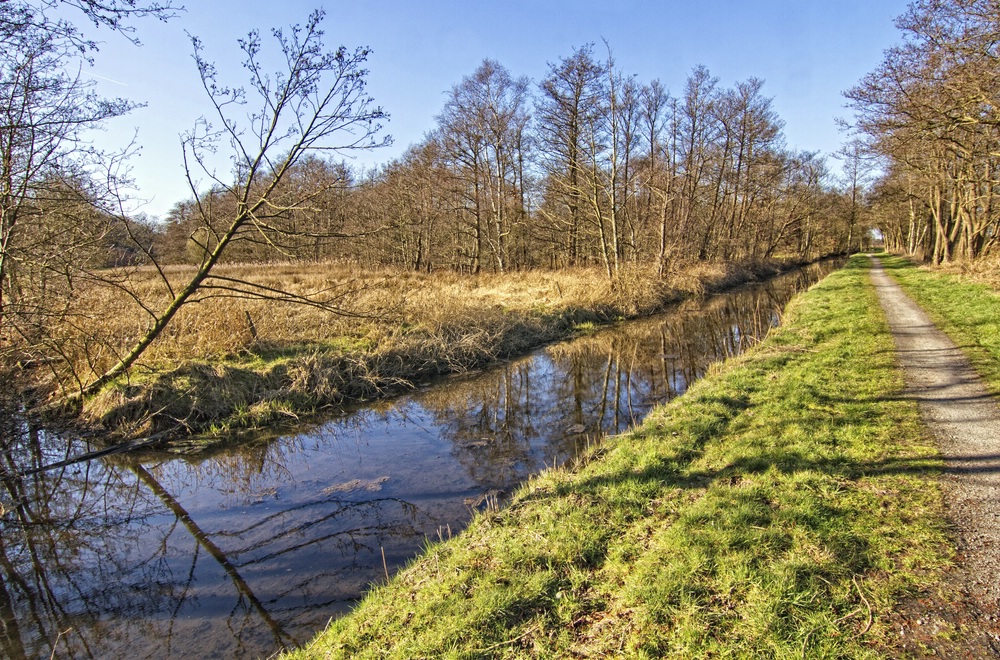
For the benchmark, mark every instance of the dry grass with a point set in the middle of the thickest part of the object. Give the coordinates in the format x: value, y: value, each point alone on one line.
x: 226, y: 361
x: 984, y: 271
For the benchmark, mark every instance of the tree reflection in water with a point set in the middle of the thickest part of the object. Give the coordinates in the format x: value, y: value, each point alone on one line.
x: 254, y: 548
x: 544, y: 409
x: 103, y: 560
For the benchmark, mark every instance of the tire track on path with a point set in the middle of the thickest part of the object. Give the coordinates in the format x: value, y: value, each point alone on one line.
x: 965, y: 420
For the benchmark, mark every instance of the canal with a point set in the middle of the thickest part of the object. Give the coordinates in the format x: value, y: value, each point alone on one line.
x: 249, y: 549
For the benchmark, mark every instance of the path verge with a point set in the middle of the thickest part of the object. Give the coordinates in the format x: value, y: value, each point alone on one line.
x: 965, y: 421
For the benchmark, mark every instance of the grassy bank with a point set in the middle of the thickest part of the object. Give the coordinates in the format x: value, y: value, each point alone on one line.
x: 231, y: 363
x: 781, y: 508
x: 963, y: 302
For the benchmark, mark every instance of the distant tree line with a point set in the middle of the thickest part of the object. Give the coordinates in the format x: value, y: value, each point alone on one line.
x: 930, y: 114
x: 588, y: 167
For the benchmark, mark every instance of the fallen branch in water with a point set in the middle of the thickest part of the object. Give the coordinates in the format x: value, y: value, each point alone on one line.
x: 91, y: 455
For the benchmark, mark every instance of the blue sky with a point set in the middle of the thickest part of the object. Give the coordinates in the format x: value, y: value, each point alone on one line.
x: 807, y: 51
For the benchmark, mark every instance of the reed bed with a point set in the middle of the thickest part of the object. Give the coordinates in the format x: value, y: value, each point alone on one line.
x: 232, y: 361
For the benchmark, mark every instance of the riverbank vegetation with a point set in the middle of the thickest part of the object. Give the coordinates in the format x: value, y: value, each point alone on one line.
x: 245, y: 363
x: 964, y: 302
x: 782, y: 508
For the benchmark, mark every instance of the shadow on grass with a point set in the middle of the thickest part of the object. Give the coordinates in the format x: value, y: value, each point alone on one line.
x: 676, y: 472
x: 727, y: 514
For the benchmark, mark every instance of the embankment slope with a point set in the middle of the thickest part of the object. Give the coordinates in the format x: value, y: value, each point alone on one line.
x: 784, y: 507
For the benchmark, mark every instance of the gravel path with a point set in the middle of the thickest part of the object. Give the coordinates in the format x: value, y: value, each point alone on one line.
x: 965, y: 420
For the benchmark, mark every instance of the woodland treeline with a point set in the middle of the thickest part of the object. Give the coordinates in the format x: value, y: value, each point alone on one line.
x: 587, y: 167
x: 929, y: 117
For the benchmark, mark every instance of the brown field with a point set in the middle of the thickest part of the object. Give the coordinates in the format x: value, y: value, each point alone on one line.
x: 230, y: 361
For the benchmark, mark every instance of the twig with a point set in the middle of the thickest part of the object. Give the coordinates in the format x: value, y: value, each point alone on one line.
x: 848, y: 615
x: 509, y: 641
x: 805, y: 643
x: 56, y: 643
x: 871, y: 618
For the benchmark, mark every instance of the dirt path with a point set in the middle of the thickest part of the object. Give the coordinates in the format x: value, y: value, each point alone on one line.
x: 965, y: 420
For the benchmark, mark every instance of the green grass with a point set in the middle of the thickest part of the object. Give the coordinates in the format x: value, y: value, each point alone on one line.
x: 968, y: 312
x: 781, y: 508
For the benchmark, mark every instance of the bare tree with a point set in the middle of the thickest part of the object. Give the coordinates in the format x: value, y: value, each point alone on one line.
x: 657, y: 170
x: 316, y: 103
x: 612, y: 170
x: 57, y: 193
x: 930, y: 109
x: 567, y: 107
x: 858, y: 168
x: 414, y: 192
x: 54, y: 18
x: 697, y: 133
x: 483, y: 132
x: 591, y: 120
